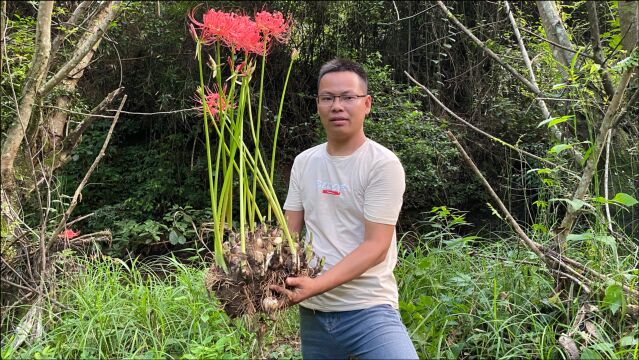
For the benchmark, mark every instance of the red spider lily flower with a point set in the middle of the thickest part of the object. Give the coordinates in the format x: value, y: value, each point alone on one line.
x: 68, y: 234
x: 215, y: 25
x: 214, y: 101
x: 245, y: 36
x: 273, y: 25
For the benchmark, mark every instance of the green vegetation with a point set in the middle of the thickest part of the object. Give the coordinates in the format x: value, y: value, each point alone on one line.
x: 468, y: 287
x: 134, y: 310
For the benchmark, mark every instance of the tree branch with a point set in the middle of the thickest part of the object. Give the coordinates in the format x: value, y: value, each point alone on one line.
x: 580, y: 53
x: 494, y: 138
x: 78, y: 190
x: 596, y: 44
x: 556, y: 133
x: 95, y: 33
x: 77, y: 14
x: 509, y: 218
x: 591, y: 164
x: 37, y: 72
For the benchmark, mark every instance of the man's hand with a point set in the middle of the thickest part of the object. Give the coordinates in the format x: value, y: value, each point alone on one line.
x: 303, y: 288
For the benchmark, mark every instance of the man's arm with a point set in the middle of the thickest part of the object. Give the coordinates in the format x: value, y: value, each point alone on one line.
x: 372, y: 251
x: 295, y: 220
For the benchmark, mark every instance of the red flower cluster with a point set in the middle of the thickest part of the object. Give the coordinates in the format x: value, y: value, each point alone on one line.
x: 239, y: 32
x: 68, y: 234
x: 273, y: 24
x: 214, y: 101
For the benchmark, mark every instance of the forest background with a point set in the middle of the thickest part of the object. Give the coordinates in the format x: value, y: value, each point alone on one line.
x: 104, y: 224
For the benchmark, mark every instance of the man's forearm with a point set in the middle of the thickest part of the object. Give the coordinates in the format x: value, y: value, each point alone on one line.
x: 364, y: 257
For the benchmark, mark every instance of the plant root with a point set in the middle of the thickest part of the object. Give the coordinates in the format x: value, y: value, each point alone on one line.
x: 268, y: 260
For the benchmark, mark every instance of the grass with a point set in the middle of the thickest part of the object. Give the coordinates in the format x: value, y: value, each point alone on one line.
x: 457, y: 301
x: 150, y: 310
x: 490, y: 303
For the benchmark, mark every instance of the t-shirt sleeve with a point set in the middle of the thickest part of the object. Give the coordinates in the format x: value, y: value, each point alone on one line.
x: 384, y: 194
x: 294, y: 197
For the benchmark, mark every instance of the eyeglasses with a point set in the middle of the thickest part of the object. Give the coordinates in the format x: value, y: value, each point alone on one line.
x: 327, y: 100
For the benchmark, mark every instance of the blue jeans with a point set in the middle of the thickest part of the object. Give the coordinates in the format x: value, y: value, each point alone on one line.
x: 373, y: 333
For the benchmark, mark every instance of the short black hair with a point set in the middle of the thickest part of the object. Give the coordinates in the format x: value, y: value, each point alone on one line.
x: 337, y: 65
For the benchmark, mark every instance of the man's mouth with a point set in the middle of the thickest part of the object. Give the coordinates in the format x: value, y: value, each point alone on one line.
x: 338, y: 120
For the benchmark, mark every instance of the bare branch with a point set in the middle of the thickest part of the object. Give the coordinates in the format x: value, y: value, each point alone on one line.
x: 494, y: 138
x: 78, y: 190
x: 489, y: 52
x: 77, y: 14
x: 511, y: 220
x: 580, y: 53
x: 530, y: 85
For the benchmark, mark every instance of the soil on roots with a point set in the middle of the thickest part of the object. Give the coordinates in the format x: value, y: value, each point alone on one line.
x: 268, y: 260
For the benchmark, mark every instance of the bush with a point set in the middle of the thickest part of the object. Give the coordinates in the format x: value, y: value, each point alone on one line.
x: 418, y: 139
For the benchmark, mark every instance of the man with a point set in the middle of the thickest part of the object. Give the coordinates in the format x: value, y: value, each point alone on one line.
x: 348, y: 192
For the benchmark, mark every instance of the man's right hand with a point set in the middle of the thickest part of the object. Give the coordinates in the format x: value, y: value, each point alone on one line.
x: 302, y: 288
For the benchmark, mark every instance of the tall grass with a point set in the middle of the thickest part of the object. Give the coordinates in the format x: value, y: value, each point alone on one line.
x: 120, y: 310
x: 489, y: 302
x: 460, y: 297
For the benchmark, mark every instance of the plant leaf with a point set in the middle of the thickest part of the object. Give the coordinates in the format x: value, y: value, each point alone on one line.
x: 624, y: 199
x: 550, y: 122
x: 613, y: 298
x: 559, y: 148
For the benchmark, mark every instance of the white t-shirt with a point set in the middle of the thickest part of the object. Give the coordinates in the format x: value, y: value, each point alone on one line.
x: 337, y: 193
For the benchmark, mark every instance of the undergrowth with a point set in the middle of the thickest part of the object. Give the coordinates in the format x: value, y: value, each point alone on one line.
x: 461, y: 297
x: 469, y: 297
x: 142, y: 310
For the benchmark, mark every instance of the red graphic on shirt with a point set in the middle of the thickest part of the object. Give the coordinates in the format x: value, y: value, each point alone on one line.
x: 330, y: 192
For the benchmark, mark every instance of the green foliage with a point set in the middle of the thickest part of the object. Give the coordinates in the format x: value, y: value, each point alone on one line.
x: 417, y: 138
x: 134, y: 310
x: 19, y: 47
x: 493, y: 301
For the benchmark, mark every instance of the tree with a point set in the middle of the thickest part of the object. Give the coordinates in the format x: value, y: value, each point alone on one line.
x: 40, y: 128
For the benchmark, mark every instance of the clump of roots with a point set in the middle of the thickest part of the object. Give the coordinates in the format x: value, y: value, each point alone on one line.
x: 268, y: 260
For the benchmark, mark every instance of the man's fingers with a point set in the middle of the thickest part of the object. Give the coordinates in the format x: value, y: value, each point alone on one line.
x: 288, y: 296
x: 279, y: 289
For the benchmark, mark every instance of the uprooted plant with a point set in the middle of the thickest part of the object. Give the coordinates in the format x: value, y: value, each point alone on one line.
x: 255, y: 254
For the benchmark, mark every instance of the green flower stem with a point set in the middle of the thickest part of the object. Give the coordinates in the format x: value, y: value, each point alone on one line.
x: 267, y: 188
x: 217, y: 245
x: 242, y: 179
x: 260, y: 173
x: 277, y: 127
x: 252, y: 205
x: 259, y: 116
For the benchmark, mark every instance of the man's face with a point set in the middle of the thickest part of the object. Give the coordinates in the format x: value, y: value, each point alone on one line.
x: 341, y: 120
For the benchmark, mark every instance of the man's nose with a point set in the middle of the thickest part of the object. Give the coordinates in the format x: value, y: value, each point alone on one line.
x: 337, y: 104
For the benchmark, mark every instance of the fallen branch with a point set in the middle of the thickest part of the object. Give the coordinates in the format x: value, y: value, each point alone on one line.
x: 511, y: 220
x: 555, y: 262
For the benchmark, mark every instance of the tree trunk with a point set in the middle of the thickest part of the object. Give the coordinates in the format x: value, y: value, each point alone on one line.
x: 57, y: 121
x: 555, y: 32
x: 629, y: 24
x: 29, y: 95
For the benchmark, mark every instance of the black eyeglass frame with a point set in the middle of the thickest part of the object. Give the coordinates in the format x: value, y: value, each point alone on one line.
x: 341, y: 98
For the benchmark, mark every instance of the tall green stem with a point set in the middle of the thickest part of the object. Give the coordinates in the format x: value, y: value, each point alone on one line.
x: 217, y: 245
x: 277, y: 127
